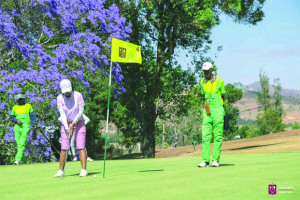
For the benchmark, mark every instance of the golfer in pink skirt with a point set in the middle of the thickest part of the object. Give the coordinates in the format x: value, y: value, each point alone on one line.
x: 71, y: 106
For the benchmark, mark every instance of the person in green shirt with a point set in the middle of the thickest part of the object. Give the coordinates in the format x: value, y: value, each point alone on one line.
x: 194, y: 142
x: 212, y: 87
x: 22, y: 115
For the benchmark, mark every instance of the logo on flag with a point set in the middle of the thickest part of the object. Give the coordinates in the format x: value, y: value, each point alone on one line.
x: 122, y: 52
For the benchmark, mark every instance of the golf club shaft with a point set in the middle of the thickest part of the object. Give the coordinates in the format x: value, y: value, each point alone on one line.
x: 67, y: 150
x: 246, y: 110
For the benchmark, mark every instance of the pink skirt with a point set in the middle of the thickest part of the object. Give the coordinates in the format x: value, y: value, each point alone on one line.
x: 78, y: 132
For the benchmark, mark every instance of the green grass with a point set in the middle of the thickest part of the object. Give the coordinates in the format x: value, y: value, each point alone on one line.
x: 243, y: 176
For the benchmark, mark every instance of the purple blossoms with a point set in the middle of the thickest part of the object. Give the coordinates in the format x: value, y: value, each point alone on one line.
x: 45, y: 41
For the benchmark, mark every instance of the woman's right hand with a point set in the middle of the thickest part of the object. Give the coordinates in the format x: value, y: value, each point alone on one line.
x: 19, y: 122
x: 68, y: 132
x: 71, y: 127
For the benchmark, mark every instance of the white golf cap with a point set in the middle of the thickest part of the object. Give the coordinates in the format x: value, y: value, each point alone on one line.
x: 65, y: 86
x: 207, y: 66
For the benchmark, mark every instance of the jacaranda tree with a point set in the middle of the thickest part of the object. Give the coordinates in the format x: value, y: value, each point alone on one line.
x: 45, y: 41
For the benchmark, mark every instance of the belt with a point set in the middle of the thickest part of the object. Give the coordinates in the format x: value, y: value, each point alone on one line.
x: 72, y: 122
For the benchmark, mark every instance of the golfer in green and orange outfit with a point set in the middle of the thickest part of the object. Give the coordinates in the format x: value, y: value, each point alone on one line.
x: 22, y: 115
x: 213, y: 89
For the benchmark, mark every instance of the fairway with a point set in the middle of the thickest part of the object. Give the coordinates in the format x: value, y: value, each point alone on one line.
x: 242, y: 176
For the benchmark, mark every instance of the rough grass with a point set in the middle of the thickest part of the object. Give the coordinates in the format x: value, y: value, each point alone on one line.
x: 288, y: 141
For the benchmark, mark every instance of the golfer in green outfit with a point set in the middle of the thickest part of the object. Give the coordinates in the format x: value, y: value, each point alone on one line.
x: 213, y: 115
x: 22, y: 114
x: 194, y: 141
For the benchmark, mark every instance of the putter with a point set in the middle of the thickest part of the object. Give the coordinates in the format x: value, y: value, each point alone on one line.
x: 67, y: 150
x: 71, y: 142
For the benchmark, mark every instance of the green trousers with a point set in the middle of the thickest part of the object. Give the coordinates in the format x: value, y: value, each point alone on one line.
x: 212, y: 124
x: 21, y: 133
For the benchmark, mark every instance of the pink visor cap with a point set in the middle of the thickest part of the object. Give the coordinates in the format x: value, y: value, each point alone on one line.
x: 65, y: 86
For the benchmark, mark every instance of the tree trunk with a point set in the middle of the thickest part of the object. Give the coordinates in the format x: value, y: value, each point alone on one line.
x: 148, y: 134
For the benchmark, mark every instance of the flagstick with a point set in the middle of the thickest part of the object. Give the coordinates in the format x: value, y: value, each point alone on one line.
x: 107, y: 117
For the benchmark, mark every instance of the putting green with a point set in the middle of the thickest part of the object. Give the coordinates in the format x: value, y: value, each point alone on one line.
x: 243, y: 176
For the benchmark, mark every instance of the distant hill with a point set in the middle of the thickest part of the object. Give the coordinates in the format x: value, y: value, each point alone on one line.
x: 255, y: 87
x: 291, y: 102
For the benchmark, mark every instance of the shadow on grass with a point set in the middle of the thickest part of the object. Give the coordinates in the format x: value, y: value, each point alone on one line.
x: 190, y: 152
x: 226, y: 165
x: 254, y: 146
x: 129, y: 156
x: 120, y: 175
x: 133, y: 172
x: 154, y: 170
x: 90, y: 174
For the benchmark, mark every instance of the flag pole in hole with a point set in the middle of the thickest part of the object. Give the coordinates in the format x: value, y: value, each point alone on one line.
x: 122, y: 52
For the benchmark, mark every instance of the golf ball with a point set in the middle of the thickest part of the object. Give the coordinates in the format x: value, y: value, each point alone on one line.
x: 95, y: 176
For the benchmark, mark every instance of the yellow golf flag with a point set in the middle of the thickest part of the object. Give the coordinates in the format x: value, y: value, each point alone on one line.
x: 125, y: 52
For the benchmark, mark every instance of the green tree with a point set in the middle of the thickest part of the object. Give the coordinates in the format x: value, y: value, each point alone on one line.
x: 264, y: 97
x: 295, y: 126
x: 277, y: 97
x: 160, y: 27
x: 145, y: 106
x: 242, y: 132
x: 270, y: 121
x: 189, y: 124
x: 128, y: 127
x: 232, y: 95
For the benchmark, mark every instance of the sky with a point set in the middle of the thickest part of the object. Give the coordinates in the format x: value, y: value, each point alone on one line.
x: 273, y: 45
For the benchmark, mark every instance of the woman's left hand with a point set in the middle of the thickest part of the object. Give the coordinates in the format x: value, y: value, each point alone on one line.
x: 71, y: 126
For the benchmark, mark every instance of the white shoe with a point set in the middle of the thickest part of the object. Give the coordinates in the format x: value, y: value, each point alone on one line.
x: 75, y: 158
x: 215, y: 163
x: 83, y: 173
x: 60, y: 173
x: 203, y: 164
x: 89, y: 159
x: 19, y: 162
